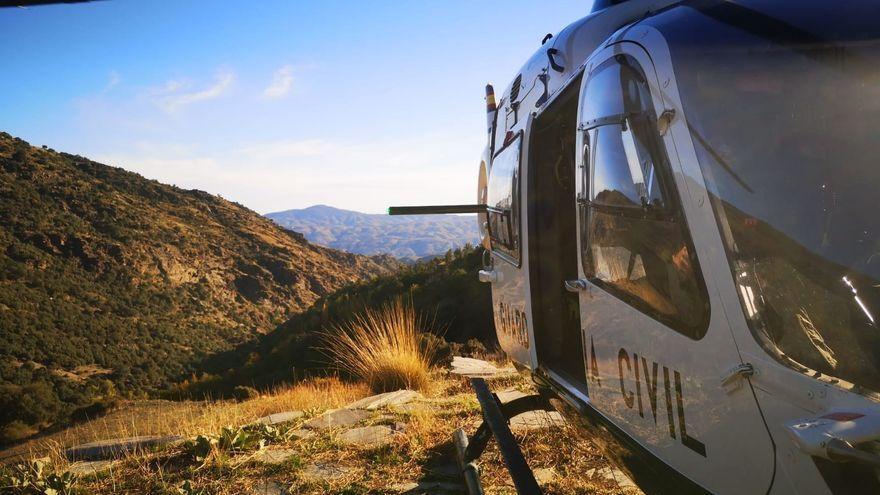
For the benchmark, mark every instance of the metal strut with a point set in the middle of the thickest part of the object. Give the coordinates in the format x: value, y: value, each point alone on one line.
x: 495, y: 423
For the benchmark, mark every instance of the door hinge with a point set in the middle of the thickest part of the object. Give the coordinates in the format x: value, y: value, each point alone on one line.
x: 735, y: 376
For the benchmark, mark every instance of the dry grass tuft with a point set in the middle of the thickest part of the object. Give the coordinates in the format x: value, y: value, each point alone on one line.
x: 381, y: 347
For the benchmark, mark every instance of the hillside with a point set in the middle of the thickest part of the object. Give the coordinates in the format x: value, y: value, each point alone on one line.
x: 112, y: 284
x: 405, y: 237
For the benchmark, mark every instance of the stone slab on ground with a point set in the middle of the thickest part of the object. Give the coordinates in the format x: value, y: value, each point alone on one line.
x: 301, y: 434
x: 324, y: 472
x: 428, y: 487
x: 368, y: 436
x: 412, y: 408
x: 444, y: 470
x: 278, y: 418
x: 536, y: 420
x: 545, y: 475
x: 623, y: 481
x: 274, y: 456
x: 336, y: 418
x: 508, y: 395
x: 396, y: 398
x: 117, y: 447
x: 477, y: 368
x: 90, y: 468
x: 269, y: 488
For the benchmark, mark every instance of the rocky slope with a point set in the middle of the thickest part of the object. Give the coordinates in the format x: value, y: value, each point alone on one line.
x: 405, y: 237
x: 133, y: 281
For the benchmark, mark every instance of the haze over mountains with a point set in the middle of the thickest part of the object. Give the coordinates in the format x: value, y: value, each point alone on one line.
x: 404, y: 237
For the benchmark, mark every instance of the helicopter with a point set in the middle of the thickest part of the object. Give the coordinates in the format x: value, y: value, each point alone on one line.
x: 676, y: 201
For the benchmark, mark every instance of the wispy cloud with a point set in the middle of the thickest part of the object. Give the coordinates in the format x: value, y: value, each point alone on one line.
x: 281, y: 83
x: 113, y: 80
x: 277, y: 175
x: 286, y: 149
x: 176, y: 94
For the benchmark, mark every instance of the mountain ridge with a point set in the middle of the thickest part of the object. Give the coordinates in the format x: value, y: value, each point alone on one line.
x: 404, y: 237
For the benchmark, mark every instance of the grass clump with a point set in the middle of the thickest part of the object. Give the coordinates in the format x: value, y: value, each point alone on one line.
x: 33, y: 477
x: 382, y: 347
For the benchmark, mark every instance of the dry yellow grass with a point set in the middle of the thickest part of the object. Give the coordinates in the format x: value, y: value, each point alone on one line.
x: 423, y: 453
x: 188, y: 419
x: 381, y: 347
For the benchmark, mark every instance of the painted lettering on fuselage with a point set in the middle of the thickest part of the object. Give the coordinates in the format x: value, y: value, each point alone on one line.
x: 641, y: 369
x: 511, y: 323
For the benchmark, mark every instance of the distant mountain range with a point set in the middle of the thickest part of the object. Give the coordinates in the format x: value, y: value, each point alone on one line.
x: 404, y: 237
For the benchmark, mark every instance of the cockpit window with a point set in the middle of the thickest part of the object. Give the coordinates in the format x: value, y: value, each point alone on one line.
x: 635, y: 240
x: 785, y: 126
x: 503, y: 201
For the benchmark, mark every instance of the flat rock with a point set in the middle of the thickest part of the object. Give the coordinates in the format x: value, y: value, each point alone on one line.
x: 269, y: 488
x: 324, y: 472
x: 118, y: 447
x: 477, y: 368
x: 536, y: 420
x: 92, y: 467
x: 545, y: 475
x: 428, y: 487
x: 396, y: 398
x: 623, y: 481
x: 278, y: 418
x: 412, y: 408
x: 506, y: 396
x: 444, y: 470
x: 301, y: 434
x: 336, y: 418
x: 274, y: 456
x: 368, y: 436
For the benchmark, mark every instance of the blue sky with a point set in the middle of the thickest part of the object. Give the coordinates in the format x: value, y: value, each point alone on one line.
x: 274, y: 104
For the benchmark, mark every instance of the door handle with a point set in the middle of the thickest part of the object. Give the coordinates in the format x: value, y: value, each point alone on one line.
x: 550, y: 53
x: 576, y: 285
x: 488, y: 276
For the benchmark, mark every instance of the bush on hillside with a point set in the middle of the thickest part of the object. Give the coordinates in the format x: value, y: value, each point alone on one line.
x: 15, y: 431
x: 243, y: 393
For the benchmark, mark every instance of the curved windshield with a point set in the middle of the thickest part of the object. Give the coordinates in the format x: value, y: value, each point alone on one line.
x: 785, y: 119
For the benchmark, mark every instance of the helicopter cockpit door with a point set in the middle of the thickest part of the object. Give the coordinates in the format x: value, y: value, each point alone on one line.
x: 661, y: 360
x: 508, y: 264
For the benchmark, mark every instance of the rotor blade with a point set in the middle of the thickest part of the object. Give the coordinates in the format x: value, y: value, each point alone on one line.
x: 435, y: 210
x: 31, y: 3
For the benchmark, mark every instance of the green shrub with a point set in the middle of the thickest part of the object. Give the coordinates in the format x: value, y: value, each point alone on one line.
x: 34, y: 477
x: 474, y: 348
x: 242, y: 393
x: 15, y: 431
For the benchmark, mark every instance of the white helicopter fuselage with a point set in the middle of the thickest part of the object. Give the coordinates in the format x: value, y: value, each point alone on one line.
x: 635, y: 315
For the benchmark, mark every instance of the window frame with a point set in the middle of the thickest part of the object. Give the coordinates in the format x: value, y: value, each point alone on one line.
x: 672, y: 212
x: 504, y: 253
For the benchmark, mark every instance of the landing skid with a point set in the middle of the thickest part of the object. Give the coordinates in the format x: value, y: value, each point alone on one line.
x: 496, y: 418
